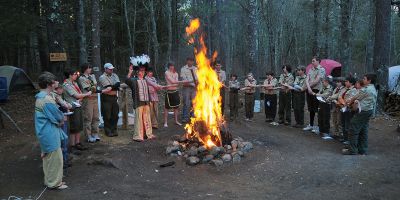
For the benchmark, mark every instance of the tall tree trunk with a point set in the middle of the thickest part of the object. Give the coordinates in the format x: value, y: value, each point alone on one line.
x: 80, y: 23
x: 134, y: 27
x: 43, y: 47
x: 369, y: 55
x: 169, y: 27
x: 34, y: 52
x: 382, y: 47
x: 128, y: 27
x: 34, y: 39
x: 325, y: 53
x: 271, y: 37
x: 345, y: 53
x: 220, y: 31
x: 96, y: 59
x: 55, y: 37
x: 279, y: 38
x: 154, y: 39
x: 252, y: 35
x: 315, y: 46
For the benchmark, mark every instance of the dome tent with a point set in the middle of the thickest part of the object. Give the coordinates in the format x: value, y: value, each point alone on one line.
x: 17, y: 79
x: 393, y: 77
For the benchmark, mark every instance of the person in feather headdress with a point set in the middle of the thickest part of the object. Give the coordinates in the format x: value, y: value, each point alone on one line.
x: 140, y: 98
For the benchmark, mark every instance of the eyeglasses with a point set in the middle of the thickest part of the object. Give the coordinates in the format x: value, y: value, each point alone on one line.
x: 76, y: 73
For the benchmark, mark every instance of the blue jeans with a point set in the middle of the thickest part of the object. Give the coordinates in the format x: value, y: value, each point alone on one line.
x: 188, y: 94
x: 64, y: 143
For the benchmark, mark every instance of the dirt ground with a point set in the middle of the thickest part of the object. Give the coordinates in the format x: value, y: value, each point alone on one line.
x: 286, y: 163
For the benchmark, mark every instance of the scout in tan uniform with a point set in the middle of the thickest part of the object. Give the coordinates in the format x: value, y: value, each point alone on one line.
x: 358, y: 131
x: 346, y: 113
x: 88, y: 82
x: 314, y: 84
x: 299, y: 94
x: 270, y: 102
x: 336, y: 116
x: 324, y: 112
x: 109, y: 100
x: 73, y: 95
x: 250, y: 85
x: 285, y: 96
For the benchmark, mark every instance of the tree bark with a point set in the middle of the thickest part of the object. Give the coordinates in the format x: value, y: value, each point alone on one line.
x: 382, y: 47
x: 80, y: 22
x: 369, y: 55
x: 96, y: 59
x: 315, y: 46
x: 345, y: 53
x: 220, y: 32
x: 34, y: 52
x: 169, y: 28
x: 128, y: 27
x: 325, y: 53
x: 252, y: 35
x: 55, y: 36
x: 154, y: 39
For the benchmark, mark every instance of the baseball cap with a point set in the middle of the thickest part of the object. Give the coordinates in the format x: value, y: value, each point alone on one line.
x: 108, y: 66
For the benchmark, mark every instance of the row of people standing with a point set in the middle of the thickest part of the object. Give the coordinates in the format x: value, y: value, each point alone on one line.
x: 292, y: 92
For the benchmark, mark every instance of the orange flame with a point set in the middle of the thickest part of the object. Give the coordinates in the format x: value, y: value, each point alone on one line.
x: 205, y: 125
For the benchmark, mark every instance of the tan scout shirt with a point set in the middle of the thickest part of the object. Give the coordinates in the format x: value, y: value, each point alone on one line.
x: 368, y: 101
x: 349, y: 93
x: 286, y: 79
x: 325, y: 92
x: 59, y: 100
x: 336, y: 93
x: 188, y: 73
x: 234, y: 86
x: 313, y: 74
x: 301, y: 82
x: 106, y: 80
x: 70, y: 90
x: 273, y: 83
x: 248, y: 83
x: 88, y: 83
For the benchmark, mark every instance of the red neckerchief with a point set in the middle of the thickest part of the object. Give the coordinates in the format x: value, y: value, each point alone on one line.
x: 75, y: 86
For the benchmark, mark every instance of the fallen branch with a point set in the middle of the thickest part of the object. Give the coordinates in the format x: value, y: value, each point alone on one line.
x: 8, y: 116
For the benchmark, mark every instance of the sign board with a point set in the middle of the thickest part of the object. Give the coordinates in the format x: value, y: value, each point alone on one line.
x: 58, y: 57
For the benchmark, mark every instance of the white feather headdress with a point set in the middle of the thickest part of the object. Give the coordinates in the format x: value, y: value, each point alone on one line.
x: 140, y: 60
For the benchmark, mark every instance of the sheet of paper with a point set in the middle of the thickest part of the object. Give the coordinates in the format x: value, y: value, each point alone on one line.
x: 68, y: 113
x: 76, y: 104
x: 321, y: 99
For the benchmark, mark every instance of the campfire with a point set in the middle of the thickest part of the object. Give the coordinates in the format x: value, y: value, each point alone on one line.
x: 207, y: 120
x: 207, y: 136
